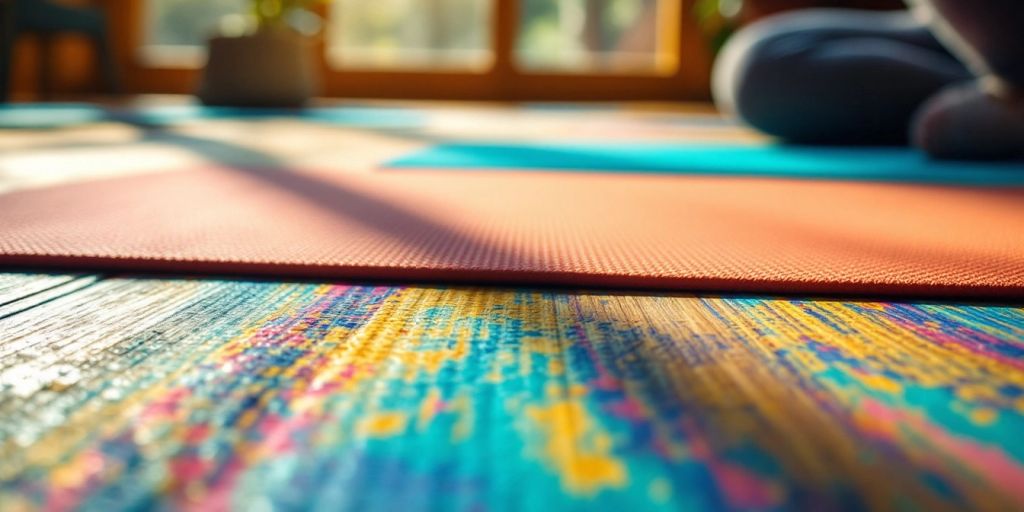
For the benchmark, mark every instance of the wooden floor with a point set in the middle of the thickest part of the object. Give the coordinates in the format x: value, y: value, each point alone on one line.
x: 121, y: 392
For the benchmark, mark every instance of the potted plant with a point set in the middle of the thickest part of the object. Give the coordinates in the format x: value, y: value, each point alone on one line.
x: 270, y: 64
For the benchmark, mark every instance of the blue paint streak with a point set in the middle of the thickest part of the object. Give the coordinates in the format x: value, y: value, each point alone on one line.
x: 887, y: 164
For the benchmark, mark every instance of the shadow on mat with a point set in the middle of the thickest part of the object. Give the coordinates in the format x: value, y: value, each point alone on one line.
x: 333, y: 197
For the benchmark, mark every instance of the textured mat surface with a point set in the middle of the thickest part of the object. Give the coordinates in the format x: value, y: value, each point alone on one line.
x: 623, y: 230
x: 136, y: 394
x: 390, y: 192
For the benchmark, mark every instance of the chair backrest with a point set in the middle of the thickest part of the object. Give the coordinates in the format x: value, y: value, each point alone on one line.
x: 46, y: 16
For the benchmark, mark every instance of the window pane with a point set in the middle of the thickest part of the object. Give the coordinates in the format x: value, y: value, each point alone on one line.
x: 177, y: 30
x: 419, y: 34
x: 188, y: 22
x: 610, y: 36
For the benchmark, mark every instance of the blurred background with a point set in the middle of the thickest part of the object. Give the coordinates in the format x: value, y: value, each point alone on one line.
x: 575, y: 35
x: 455, y: 49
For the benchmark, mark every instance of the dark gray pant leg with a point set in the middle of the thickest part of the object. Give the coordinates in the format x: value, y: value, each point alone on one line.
x: 833, y: 76
x: 988, y: 34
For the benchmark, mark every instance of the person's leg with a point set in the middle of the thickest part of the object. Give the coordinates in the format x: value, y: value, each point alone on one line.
x: 986, y: 34
x: 833, y: 76
x: 984, y: 118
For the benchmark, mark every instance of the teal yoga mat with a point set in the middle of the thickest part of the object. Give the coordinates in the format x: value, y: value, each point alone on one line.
x: 66, y: 115
x: 356, y: 116
x: 43, y: 116
x: 888, y: 164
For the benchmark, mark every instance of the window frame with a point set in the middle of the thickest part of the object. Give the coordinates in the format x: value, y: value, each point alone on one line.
x: 503, y: 81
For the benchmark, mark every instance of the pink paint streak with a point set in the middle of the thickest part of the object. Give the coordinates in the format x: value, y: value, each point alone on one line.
x: 991, y: 463
x: 741, y: 488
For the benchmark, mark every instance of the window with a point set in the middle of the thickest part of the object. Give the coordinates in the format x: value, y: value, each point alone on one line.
x: 410, y: 34
x: 594, y: 36
x: 176, y: 30
x: 466, y: 49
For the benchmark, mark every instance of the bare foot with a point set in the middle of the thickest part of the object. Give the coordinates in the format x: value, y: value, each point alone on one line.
x: 983, y: 120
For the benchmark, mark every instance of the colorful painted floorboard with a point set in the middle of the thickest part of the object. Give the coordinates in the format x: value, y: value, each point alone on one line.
x: 134, y: 393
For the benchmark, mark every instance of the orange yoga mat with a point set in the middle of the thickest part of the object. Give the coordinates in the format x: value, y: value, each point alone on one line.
x: 664, y: 232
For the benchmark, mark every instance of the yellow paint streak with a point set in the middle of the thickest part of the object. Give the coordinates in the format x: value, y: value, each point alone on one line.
x: 556, y: 367
x: 248, y: 418
x: 383, y: 424
x: 984, y: 416
x: 580, y: 452
x: 77, y: 471
x: 543, y: 346
x: 463, y: 406
x: 428, y: 408
x: 976, y: 392
x: 881, y: 383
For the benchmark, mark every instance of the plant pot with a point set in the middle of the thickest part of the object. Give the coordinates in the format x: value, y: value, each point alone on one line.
x: 269, y: 68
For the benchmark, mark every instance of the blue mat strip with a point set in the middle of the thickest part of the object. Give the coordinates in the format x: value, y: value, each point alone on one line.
x: 888, y: 164
x: 64, y: 115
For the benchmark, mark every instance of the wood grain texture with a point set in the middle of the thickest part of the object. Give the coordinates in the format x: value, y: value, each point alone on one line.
x: 206, y: 394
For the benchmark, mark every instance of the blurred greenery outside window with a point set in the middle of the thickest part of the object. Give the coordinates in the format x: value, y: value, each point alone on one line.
x: 554, y: 35
x: 176, y: 30
x: 594, y: 35
x: 410, y: 34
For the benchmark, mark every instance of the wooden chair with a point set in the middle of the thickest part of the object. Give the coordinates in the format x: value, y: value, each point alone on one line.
x: 46, y: 19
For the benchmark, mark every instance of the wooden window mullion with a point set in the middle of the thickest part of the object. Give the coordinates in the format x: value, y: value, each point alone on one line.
x: 505, y: 30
